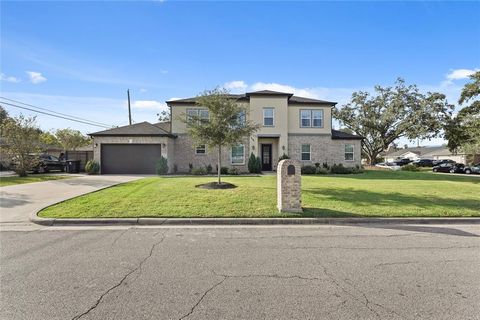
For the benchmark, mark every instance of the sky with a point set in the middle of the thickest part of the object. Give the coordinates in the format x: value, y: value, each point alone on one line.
x: 79, y: 58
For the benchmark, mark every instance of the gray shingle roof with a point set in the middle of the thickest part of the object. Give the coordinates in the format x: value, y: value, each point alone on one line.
x: 138, y: 129
x: 165, y: 126
x: 246, y: 96
x: 421, y: 151
x: 337, y: 135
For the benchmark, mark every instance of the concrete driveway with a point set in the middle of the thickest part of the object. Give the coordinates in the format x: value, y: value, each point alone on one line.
x: 19, y: 201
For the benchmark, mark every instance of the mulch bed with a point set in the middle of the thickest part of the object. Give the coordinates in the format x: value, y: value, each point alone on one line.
x: 215, y: 185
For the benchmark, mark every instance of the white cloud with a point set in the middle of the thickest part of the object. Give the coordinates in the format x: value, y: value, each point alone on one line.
x: 148, y: 104
x: 35, y: 77
x: 143, y: 90
x: 174, y: 98
x: 4, y: 77
x: 236, y: 86
x: 302, y: 92
x: 163, y: 71
x: 459, y: 74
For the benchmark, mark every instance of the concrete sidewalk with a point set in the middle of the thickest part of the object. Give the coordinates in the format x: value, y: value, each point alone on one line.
x: 18, y: 202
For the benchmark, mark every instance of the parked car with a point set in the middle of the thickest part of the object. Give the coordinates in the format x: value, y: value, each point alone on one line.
x: 438, y: 162
x: 388, y: 165
x: 472, y: 169
x: 443, y: 167
x: 423, y: 163
x: 457, y: 168
x: 402, y: 162
x: 43, y: 163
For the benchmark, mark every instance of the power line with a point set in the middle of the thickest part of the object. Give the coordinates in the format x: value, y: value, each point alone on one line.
x: 54, y: 115
x: 52, y: 111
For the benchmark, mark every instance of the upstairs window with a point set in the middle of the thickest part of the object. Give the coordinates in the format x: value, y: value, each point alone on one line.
x: 349, y: 152
x: 201, y: 149
x: 311, y: 118
x: 305, y: 118
x: 202, y: 114
x: 268, y: 117
x: 306, y: 152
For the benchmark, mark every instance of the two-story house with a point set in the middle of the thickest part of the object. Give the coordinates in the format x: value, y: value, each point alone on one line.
x: 298, y: 127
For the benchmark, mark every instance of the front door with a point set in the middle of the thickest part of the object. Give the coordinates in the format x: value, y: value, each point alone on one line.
x: 266, y: 157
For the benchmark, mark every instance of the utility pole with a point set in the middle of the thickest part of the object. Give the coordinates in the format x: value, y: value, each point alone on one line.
x: 129, y: 110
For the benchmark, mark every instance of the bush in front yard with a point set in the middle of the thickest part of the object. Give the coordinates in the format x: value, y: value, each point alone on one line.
x: 233, y: 171
x: 224, y: 170
x: 209, y: 168
x: 254, y: 165
x: 410, y: 167
x: 92, y: 167
x: 200, y: 171
x: 162, y: 166
x: 321, y: 170
x: 308, y: 169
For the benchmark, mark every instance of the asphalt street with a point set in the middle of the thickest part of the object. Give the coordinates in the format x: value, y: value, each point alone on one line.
x: 294, y: 272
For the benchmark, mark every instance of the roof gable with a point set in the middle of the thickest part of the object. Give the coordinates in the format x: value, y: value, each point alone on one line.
x: 245, y: 97
x: 138, y: 129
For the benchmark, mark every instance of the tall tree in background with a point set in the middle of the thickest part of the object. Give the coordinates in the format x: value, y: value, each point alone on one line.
x: 392, y: 113
x: 463, y: 130
x: 71, y: 139
x: 225, y: 124
x: 21, y: 136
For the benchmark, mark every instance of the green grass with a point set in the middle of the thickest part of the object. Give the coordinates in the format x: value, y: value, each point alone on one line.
x: 9, y: 181
x: 374, y: 193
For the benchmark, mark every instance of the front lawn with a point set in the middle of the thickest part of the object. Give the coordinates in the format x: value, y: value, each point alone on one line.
x: 374, y: 193
x: 8, y: 181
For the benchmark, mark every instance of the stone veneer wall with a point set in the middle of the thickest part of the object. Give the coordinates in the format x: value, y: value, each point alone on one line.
x: 323, y: 149
x: 184, y: 154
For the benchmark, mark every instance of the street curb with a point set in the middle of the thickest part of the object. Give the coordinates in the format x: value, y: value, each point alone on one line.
x: 245, y: 221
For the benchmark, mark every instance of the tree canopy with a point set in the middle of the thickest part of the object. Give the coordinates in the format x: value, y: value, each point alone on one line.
x: 71, y: 139
x: 392, y: 113
x: 21, y: 136
x: 463, y: 130
x: 224, y: 125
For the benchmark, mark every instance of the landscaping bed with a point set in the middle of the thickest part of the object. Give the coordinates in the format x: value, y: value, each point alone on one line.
x: 371, y: 194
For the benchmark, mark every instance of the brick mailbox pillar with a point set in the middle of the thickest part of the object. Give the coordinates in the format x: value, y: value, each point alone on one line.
x: 288, y: 186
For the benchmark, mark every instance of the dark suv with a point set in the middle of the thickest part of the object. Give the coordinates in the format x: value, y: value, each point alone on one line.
x: 402, y: 162
x: 43, y: 163
x: 423, y: 163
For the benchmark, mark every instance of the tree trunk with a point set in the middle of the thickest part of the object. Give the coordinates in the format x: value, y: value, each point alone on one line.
x: 219, y: 164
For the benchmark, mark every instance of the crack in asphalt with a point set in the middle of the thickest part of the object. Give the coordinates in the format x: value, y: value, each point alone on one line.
x: 394, y: 263
x: 276, y: 276
x: 201, y: 298
x: 118, y: 237
x: 368, y: 303
x: 124, y: 278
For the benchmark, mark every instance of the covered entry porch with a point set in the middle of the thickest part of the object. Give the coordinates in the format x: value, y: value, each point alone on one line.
x: 269, y: 151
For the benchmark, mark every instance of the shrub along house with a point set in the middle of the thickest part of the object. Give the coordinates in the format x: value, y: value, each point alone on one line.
x: 298, y: 127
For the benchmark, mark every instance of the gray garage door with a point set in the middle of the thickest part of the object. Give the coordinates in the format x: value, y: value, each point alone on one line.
x: 130, y: 158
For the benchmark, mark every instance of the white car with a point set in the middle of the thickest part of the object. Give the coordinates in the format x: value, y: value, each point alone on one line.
x: 388, y: 165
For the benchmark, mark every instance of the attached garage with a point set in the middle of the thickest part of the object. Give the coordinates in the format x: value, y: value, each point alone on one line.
x: 130, y: 158
x: 133, y: 149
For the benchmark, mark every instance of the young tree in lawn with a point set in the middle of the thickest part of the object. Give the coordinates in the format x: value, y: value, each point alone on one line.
x: 392, y: 113
x: 463, y: 131
x: 22, y: 138
x: 71, y: 139
x: 225, y: 126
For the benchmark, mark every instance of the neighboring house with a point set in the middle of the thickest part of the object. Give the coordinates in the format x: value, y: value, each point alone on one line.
x: 298, y: 127
x: 433, y: 153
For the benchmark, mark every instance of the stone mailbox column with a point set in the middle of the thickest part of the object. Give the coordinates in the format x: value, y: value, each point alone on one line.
x: 288, y: 186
